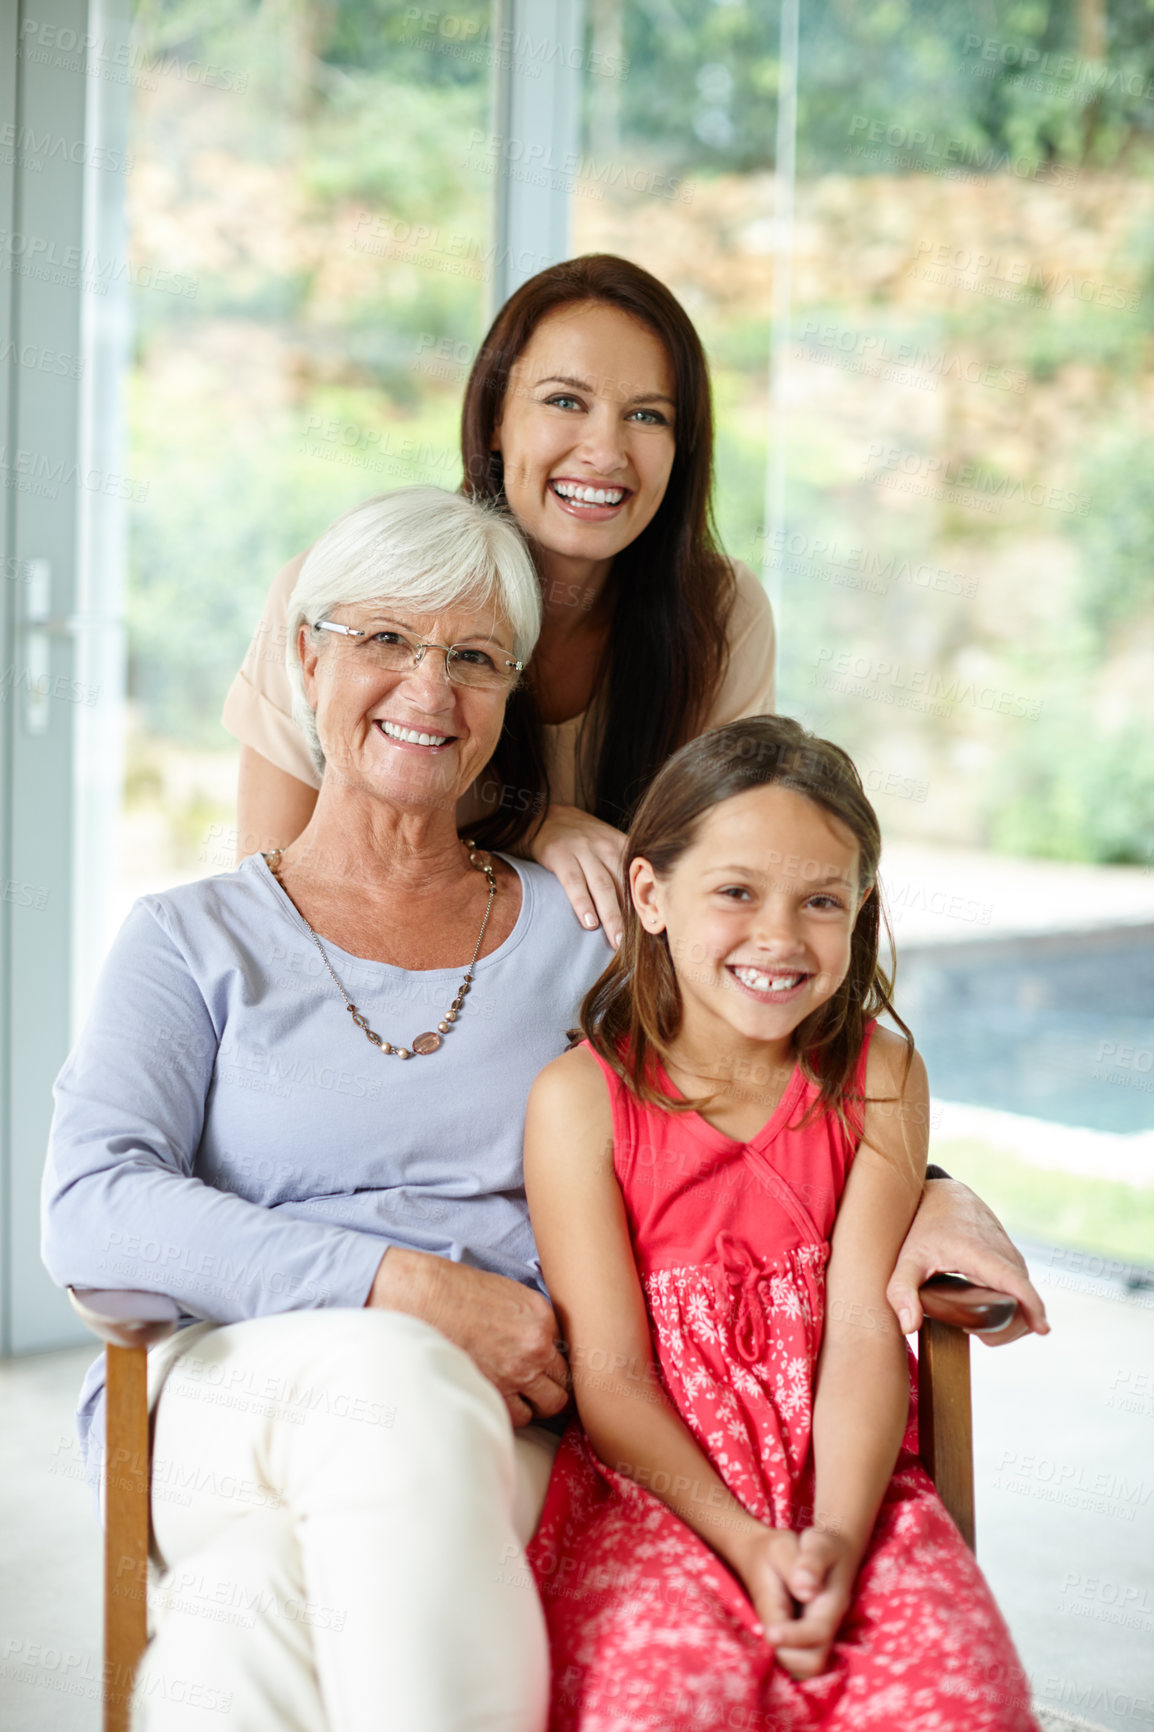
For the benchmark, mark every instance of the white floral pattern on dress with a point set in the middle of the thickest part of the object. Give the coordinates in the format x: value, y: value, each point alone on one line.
x: 721, y: 1396
x: 650, y: 1632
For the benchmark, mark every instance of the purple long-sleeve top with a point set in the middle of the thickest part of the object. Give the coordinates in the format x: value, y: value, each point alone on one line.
x: 226, y: 1135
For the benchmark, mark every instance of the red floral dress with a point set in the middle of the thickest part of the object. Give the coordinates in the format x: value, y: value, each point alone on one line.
x: 649, y: 1630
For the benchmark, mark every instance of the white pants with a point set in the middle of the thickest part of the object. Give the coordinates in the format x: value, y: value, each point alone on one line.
x: 340, y: 1506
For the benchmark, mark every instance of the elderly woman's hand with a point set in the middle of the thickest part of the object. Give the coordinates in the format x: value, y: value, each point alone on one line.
x: 954, y: 1232
x: 508, y: 1330
x: 585, y: 855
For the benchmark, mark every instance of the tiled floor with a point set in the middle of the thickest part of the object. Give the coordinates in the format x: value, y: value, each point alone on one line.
x: 1065, y: 1481
x: 1064, y: 1476
x: 50, y: 1576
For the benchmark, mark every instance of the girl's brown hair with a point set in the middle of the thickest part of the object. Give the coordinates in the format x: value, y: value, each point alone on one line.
x: 672, y: 589
x: 633, y: 1013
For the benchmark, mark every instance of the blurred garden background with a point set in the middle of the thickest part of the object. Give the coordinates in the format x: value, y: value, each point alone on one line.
x: 934, y: 383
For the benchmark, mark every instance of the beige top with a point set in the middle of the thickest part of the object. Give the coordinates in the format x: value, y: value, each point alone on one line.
x: 258, y: 708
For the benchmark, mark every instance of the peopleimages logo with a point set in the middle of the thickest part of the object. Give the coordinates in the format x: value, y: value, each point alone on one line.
x: 42, y: 257
x: 529, y: 53
x: 1008, y: 276
x: 50, y: 146
x: 937, y: 153
x: 438, y: 249
x: 856, y: 567
x: 117, y: 61
x: 535, y: 163
x: 1043, y: 63
x: 938, y: 477
x: 870, y: 352
x: 39, y: 359
x: 909, y: 687
x: 36, y: 471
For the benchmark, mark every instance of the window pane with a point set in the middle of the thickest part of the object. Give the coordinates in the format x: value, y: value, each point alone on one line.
x: 311, y: 271
x: 959, y: 410
x: 969, y: 466
x: 676, y: 173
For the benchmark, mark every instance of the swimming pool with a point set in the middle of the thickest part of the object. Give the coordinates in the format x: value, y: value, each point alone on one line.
x: 1058, y: 1026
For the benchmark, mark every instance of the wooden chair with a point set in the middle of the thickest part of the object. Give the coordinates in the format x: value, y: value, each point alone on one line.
x: 130, y: 1323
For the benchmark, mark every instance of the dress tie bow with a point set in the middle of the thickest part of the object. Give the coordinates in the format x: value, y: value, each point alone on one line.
x: 740, y: 1268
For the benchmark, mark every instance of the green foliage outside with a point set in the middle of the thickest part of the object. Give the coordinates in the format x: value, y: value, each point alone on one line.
x: 1057, y: 1208
x: 324, y: 355
x: 1005, y: 81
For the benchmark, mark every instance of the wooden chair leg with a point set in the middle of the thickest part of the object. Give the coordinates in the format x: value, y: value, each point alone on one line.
x: 128, y: 1324
x: 126, y: 1516
x: 945, y: 1427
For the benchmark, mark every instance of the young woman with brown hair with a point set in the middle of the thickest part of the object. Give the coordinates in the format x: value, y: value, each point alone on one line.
x: 588, y: 415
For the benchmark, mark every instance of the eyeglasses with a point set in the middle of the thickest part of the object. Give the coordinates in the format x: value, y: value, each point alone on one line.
x: 465, y: 665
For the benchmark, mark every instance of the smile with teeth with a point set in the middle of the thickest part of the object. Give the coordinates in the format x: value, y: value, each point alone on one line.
x: 759, y: 982
x: 410, y: 736
x: 579, y: 495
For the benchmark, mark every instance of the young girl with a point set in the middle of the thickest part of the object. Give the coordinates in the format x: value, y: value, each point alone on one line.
x: 719, y: 1179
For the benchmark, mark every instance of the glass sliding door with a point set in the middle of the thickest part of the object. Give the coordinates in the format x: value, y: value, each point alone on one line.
x: 916, y: 243
x: 55, y: 164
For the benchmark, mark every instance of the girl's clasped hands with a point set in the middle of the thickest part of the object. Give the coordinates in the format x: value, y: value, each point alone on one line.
x: 801, y: 1585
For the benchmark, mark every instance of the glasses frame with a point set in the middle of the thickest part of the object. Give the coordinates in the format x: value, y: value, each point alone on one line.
x: 418, y: 648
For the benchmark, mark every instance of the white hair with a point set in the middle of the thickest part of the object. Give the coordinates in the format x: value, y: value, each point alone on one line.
x: 419, y: 549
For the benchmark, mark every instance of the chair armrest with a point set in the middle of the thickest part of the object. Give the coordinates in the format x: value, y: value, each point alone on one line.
x: 977, y: 1310
x: 125, y: 1319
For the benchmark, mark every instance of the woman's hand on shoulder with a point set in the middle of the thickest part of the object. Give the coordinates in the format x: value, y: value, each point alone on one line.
x: 585, y: 855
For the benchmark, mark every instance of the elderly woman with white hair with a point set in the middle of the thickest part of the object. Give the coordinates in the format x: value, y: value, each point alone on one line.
x: 297, y: 1108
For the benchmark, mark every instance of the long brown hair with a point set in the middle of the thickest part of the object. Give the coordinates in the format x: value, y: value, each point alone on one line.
x: 672, y: 589
x: 633, y: 1013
